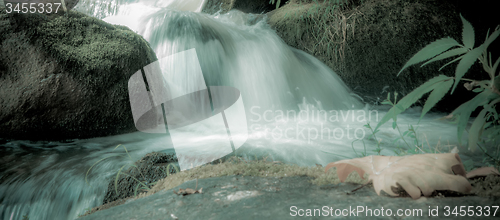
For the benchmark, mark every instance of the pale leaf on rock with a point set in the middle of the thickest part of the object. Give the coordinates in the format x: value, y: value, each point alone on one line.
x: 416, y: 174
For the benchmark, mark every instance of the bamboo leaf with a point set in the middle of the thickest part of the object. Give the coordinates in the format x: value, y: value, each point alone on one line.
x: 467, y: 108
x: 495, y: 66
x: 400, y: 107
x: 476, y: 129
x: 430, y: 51
x: 415, y: 95
x: 447, y: 54
x: 436, y: 95
x: 454, y: 60
x: 412, y: 97
x: 491, y: 38
x: 467, y: 34
x: 464, y: 64
x: 493, y: 112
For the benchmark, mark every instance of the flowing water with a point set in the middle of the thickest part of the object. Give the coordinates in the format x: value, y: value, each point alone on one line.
x: 297, y: 110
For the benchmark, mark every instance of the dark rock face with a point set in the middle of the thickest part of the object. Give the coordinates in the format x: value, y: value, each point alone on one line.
x: 378, y: 37
x: 65, y: 77
x: 151, y: 168
x: 247, y: 6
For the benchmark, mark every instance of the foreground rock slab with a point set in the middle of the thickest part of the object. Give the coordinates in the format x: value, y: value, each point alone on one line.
x: 238, y: 197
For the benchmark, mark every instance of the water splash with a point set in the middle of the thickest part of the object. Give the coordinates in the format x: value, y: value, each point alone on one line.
x: 299, y: 111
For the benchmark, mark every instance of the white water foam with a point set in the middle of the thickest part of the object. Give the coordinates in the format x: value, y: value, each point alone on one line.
x: 298, y: 110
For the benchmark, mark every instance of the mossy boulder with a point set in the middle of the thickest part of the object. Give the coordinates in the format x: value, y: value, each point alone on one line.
x: 367, y: 42
x: 66, y: 77
x: 247, y: 6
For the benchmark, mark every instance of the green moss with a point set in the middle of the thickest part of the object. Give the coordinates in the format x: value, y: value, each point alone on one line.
x: 95, y: 60
x: 86, y: 44
x: 369, y: 40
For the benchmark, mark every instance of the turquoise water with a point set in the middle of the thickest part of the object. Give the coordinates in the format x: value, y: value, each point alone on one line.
x: 297, y: 111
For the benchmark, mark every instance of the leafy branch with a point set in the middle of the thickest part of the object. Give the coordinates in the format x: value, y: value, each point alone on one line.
x: 488, y: 94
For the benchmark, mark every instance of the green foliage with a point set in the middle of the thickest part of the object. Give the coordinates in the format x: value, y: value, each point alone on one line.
x: 486, y: 126
x: 415, y: 95
x: 373, y: 136
x: 410, y: 133
x: 488, y: 94
x: 430, y: 51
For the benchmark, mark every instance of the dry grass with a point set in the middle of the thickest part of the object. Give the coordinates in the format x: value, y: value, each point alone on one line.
x: 260, y: 168
x: 237, y: 166
x: 321, y: 29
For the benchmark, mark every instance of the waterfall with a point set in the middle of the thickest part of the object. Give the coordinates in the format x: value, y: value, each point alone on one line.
x: 241, y: 50
x: 298, y: 110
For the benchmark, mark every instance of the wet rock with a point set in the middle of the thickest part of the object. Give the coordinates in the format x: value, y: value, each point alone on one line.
x: 247, y: 6
x: 65, y: 77
x: 249, y: 197
x: 369, y: 41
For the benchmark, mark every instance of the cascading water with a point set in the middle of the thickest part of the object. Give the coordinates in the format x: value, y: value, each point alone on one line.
x: 298, y: 110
